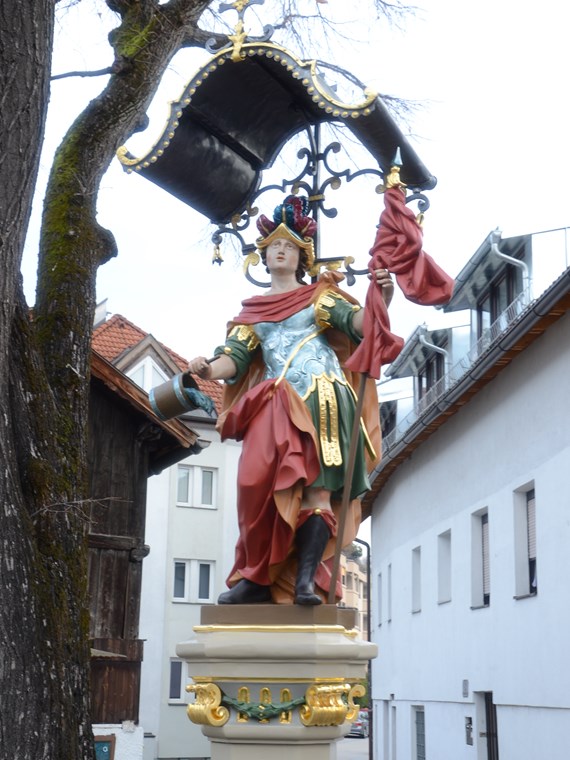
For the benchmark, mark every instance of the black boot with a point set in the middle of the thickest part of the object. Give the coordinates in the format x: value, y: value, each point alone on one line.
x: 310, y: 540
x: 245, y: 592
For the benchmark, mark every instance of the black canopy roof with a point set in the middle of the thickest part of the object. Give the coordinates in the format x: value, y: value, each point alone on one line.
x: 234, y: 117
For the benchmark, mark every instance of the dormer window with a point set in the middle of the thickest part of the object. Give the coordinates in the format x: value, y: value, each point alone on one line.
x: 501, y: 293
x: 432, y: 370
x: 147, y: 374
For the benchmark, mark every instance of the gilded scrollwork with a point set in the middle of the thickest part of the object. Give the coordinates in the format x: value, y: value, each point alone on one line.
x: 357, y: 690
x: 207, y: 709
x: 326, y: 705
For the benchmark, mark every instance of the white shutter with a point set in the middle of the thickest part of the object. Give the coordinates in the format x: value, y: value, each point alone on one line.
x: 531, y: 524
x: 485, y: 554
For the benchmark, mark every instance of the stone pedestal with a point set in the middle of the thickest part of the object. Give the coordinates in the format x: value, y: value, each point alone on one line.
x: 275, y: 682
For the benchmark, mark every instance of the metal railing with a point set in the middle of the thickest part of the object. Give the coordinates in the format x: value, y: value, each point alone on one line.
x: 433, y: 395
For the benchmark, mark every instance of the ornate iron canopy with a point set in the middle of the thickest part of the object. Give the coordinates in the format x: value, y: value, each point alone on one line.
x: 241, y: 108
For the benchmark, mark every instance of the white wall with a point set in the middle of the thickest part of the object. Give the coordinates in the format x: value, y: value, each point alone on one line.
x: 515, y: 432
x: 181, y: 533
x: 128, y: 738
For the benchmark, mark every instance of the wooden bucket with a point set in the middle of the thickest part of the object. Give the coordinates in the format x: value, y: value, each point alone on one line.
x: 169, y: 400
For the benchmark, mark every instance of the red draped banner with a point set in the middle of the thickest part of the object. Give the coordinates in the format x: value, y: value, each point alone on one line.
x: 397, y: 248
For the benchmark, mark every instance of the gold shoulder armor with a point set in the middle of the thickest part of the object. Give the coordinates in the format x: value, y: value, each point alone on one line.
x: 323, y: 305
x: 245, y: 334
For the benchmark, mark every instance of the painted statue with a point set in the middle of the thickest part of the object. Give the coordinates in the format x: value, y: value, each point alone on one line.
x: 289, y: 397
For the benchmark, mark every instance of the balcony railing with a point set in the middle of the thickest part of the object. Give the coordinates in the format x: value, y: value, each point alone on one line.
x: 431, y: 397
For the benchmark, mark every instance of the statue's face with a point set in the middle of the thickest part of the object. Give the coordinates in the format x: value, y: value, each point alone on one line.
x: 282, y: 255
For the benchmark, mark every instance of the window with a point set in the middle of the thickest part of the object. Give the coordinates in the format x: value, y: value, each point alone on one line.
x: 389, y: 594
x: 379, y: 599
x: 175, y: 685
x: 388, y: 416
x: 193, y: 581
x: 146, y: 374
x: 480, y: 564
x: 196, y: 486
x: 531, y: 540
x: 485, y: 559
x: 417, y: 579
x: 502, y: 292
x: 418, y: 717
x: 526, y: 581
x: 432, y: 371
x: 444, y: 567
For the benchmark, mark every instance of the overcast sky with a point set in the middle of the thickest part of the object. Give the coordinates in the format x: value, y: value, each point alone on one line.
x: 491, y: 78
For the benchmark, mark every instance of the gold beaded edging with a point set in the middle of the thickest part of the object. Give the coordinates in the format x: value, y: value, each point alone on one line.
x: 305, y: 71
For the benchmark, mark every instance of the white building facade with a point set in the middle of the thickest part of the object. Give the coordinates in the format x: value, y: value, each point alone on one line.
x: 192, y: 530
x: 471, y: 522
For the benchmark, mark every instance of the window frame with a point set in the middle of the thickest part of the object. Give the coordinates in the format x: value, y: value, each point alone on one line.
x: 507, y: 283
x: 180, y: 699
x: 419, y: 729
x: 444, y: 574
x: 195, y: 487
x: 148, y: 366
x: 416, y: 579
x: 431, y: 372
x: 480, y: 560
x: 524, y: 525
x: 191, y: 580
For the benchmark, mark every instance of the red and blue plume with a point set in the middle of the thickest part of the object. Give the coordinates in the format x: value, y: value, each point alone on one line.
x: 293, y: 213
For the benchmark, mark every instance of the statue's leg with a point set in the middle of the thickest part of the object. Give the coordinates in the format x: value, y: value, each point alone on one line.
x: 310, y: 542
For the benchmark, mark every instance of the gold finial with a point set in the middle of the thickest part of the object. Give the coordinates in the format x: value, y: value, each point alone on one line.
x: 393, y: 178
x: 238, y: 38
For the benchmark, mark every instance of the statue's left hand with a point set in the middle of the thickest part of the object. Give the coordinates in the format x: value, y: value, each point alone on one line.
x: 384, y: 281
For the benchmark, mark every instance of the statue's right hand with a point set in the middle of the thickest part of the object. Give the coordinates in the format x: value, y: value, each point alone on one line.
x: 201, y: 367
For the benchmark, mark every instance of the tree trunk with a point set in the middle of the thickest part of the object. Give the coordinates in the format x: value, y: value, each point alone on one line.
x: 44, y: 366
x: 43, y: 694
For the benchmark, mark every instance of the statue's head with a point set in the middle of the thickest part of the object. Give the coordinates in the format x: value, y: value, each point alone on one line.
x: 290, y: 221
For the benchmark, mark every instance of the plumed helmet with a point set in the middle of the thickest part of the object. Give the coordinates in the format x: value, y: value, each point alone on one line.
x: 290, y: 221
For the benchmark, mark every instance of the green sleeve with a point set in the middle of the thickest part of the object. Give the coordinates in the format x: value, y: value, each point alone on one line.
x: 240, y: 345
x: 333, y: 310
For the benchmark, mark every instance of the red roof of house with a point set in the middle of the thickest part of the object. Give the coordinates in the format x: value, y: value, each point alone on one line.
x: 117, y: 334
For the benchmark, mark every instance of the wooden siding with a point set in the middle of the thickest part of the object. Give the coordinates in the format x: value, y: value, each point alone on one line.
x: 115, y: 680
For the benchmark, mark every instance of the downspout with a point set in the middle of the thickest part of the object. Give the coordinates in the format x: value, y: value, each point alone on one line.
x: 438, y: 349
x: 522, y: 265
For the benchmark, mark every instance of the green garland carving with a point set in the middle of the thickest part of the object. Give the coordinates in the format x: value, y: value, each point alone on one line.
x: 262, y: 710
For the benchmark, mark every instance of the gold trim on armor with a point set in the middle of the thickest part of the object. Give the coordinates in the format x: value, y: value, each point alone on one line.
x: 325, y: 302
x: 328, y: 422
x: 245, y: 334
x: 322, y: 306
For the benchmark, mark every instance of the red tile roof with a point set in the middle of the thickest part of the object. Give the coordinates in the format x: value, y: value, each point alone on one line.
x: 117, y: 334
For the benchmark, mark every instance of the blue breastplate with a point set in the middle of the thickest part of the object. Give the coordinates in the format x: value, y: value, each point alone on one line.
x: 281, y: 340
